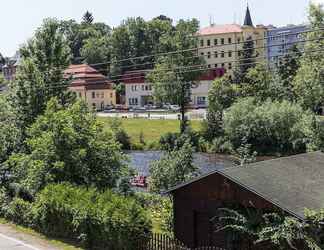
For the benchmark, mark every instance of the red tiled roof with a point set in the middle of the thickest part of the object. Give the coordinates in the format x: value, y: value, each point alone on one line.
x: 212, y: 74
x: 84, y: 75
x: 220, y: 29
x: 133, y: 77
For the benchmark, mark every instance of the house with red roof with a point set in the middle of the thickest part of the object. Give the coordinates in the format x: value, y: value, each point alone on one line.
x: 92, y: 86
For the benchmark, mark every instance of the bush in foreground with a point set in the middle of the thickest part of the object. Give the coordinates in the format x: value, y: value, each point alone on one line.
x: 97, y: 220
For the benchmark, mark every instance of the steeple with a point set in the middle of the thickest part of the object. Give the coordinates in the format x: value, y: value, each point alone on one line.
x: 248, y: 19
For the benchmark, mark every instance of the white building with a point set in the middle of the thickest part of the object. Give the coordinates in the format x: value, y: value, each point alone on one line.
x: 140, y: 93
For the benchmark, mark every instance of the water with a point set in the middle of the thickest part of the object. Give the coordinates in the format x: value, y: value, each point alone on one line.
x: 140, y: 161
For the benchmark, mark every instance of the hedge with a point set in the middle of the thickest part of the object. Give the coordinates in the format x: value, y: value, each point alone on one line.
x: 96, y: 220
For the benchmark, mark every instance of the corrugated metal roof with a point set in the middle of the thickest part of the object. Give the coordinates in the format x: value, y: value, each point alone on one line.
x: 292, y: 183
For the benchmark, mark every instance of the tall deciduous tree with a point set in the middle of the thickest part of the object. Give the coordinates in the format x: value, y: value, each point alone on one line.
x: 40, y: 75
x: 174, y: 74
x: 68, y: 145
x: 309, y: 81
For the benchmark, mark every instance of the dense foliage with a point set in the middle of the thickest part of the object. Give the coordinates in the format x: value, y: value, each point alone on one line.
x: 67, y: 144
x: 94, y: 219
x: 173, y: 168
x: 271, y: 127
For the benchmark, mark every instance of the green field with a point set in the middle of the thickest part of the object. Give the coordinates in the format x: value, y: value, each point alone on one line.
x: 151, y: 129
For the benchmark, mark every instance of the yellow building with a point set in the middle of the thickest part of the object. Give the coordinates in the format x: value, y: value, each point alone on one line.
x: 221, y: 45
x: 91, y: 86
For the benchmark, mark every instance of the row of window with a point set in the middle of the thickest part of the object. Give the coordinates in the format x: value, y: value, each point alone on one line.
x: 142, y: 87
x: 98, y: 95
x: 216, y: 54
x: 133, y: 101
x: 217, y: 41
x: 222, y: 65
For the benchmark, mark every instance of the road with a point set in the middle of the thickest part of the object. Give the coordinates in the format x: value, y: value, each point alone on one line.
x: 9, y: 243
x: 192, y: 115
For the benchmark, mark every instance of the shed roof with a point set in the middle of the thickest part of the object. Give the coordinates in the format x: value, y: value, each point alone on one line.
x: 292, y: 183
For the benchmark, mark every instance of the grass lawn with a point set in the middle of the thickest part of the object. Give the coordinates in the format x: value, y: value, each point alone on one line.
x: 151, y: 129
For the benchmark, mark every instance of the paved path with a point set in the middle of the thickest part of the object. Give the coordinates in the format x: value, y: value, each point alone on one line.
x: 9, y: 243
x: 11, y: 239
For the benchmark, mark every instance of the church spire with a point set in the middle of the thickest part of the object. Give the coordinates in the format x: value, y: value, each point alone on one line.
x: 248, y: 19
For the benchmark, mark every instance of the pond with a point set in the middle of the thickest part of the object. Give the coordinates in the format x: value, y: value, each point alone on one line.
x: 140, y: 161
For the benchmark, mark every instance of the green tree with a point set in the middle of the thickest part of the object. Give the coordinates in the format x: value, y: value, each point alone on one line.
x: 40, y: 76
x: 271, y: 127
x: 174, y: 168
x: 246, y: 61
x: 171, y: 78
x: 221, y: 96
x: 308, y: 84
x: 68, y: 145
x: 96, y: 50
x: 287, y: 70
x: 87, y: 18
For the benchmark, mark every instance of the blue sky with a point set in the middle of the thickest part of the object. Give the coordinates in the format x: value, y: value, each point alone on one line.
x: 20, y: 18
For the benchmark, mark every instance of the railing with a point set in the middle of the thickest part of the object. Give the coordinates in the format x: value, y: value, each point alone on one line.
x: 163, y: 242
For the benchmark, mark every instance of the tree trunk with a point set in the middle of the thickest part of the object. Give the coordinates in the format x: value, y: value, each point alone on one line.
x: 183, y: 122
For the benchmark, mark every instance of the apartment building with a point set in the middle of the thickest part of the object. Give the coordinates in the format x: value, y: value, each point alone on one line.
x: 281, y: 39
x: 90, y: 85
x: 221, y: 45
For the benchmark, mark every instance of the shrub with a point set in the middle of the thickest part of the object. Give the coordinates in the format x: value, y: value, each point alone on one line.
x: 171, y: 141
x: 19, y: 212
x: 272, y: 127
x: 98, y: 220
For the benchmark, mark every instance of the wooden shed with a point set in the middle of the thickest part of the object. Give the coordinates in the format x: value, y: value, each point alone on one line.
x: 290, y: 184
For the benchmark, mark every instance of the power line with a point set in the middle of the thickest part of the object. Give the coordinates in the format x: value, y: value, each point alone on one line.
x: 193, y: 49
x: 197, y: 68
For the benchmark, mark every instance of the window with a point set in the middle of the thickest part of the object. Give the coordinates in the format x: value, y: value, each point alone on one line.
x: 229, y: 65
x: 209, y: 66
x: 146, y: 87
x: 143, y: 87
x: 80, y: 94
x: 94, y: 106
x: 238, y: 40
x: 201, y: 100
x: 111, y: 95
x: 201, y: 43
x: 215, y: 41
x: 222, y: 54
x: 239, y: 53
x: 202, y: 53
x: 102, y: 95
x: 98, y: 95
x: 93, y: 95
x: 229, y: 53
x: 216, y: 54
x: 222, y: 41
x: 208, y: 55
x: 223, y: 65
x: 208, y: 42
x: 229, y: 40
x: 150, y: 87
x: 216, y: 65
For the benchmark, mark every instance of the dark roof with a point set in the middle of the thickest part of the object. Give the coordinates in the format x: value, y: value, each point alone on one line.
x: 292, y: 183
x: 248, y: 19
